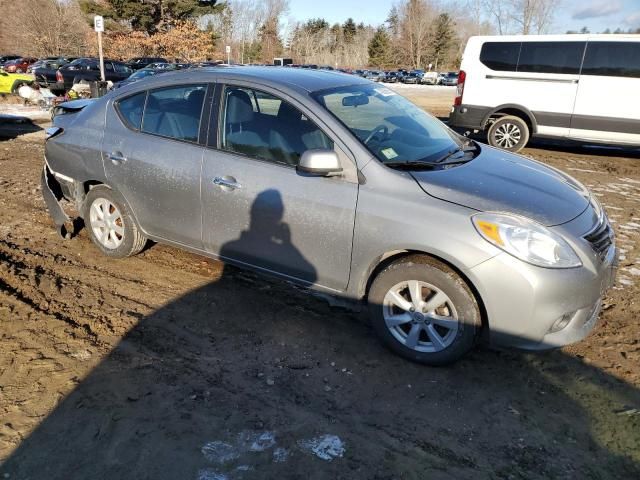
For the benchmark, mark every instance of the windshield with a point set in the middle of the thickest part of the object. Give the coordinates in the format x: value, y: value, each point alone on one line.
x: 390, y: 126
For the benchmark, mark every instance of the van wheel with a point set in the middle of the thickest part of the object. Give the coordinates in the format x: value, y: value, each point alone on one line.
x: 110, y: 224
x: 424, y: 311
x: 509, y: 133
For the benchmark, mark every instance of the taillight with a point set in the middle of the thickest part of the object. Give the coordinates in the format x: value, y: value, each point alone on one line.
x: 59, y: 77
x: 462, y: 76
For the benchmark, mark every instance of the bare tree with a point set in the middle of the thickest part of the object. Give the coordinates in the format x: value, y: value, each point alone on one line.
x: 46, y: 27
x: 416, y: 18
x: 522, y: 16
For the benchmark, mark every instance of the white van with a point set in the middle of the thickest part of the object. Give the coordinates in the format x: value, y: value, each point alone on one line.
x: 580, y: 87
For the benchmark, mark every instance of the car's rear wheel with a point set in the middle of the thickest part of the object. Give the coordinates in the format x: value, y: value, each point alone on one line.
x: 110, y: 224
x: 508, y: 133
x: 424, y: 311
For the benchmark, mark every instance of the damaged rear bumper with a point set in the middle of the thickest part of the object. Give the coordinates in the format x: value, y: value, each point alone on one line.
x: 52, y: 194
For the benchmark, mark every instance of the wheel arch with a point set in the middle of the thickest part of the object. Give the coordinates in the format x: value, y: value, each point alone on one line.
x: 87, y: 185
x: 512, y: 109
x: 18, y: 83
x: 388, y: 258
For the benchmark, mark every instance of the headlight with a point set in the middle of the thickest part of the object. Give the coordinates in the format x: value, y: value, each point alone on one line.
x: 526, y: 240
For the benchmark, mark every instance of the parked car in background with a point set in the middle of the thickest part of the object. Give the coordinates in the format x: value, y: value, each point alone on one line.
x: 88, y: 69
x: 19, y: 65
x: 327, y: 67
x: 411, y: 78
x: 429, y: 78
x: 162, y: 66
x: 7, y: 58
x: 336, y: 183
x: 360, y: 73
x: 45, y: 72
x: 450, y: 79
x: 579, y: 87
x: 10, y: 82
x: 441, y: 77
x: 392, y: 77
x: 346, y: 70
x: 139, y: 75
x: 374, y: 75
x: 141, y: 62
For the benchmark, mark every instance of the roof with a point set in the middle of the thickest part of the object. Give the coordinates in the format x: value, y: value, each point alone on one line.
x: 559, y: 37
x: 305, y: 79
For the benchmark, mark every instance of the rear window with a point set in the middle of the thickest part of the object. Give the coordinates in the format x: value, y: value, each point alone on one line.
x: 551, y: 57
x: 131, y: 108
x: 500, y: 56
x: 613, y: 59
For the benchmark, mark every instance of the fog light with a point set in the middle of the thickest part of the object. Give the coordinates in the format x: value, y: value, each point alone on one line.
x: 562, y: 322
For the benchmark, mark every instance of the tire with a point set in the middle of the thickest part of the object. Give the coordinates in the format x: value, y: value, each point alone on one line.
x: 454, y: 314
x: 509, y: 133
x: 123, y: 236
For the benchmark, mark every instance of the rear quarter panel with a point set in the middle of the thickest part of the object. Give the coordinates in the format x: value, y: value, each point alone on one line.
x: 76, y: 153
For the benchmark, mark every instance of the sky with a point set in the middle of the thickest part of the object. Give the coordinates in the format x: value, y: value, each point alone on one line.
x: 597, y: 15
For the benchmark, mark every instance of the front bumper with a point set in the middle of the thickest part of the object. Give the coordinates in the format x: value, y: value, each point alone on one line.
x: 538, y: 308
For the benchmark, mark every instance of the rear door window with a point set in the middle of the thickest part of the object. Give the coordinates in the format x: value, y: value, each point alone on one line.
x: 175, y: 112
x: 613, y: 59
x: 551, y: 57
x: 500, y: 56
x: 131, y: 108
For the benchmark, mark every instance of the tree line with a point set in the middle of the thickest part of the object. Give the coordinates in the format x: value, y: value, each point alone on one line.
x: 415, y: 33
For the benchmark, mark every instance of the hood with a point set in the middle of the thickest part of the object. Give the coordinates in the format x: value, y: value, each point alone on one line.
x: 499, y: 181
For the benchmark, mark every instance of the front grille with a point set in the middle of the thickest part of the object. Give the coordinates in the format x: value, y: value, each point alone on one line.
x: 601, y: 237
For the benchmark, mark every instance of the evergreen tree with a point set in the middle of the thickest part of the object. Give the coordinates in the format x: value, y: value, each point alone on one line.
x: 444, y: 37
x: 150, y: 15
x: 380, y: 49
x: 349, y: 30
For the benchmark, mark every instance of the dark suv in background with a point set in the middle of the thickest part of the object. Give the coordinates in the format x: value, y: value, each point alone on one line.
x: 89, y: 69
x: 7, y: 58
x: 141, y: 62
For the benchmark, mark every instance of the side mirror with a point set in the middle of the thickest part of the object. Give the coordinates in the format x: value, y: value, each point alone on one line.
x: 323, y: 163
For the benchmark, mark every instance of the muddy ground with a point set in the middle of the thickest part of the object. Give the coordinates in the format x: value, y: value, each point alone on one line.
x: 171, y: 366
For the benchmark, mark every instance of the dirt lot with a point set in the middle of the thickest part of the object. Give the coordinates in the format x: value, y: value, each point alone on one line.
x: 172, y: 366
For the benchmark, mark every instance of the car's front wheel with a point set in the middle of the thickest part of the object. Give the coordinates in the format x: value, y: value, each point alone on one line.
x: 424, y: 311
x: 110, y: 224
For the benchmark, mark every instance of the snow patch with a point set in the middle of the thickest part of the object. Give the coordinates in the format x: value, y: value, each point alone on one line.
x: 633, y: 271
x: 280, y: 455
x: 211, y: 475
x: 220, y: 452
x: 326, y: 447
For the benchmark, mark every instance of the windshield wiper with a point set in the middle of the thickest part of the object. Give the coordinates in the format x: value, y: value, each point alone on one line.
x: 412, y: 165
x: 467, y: 148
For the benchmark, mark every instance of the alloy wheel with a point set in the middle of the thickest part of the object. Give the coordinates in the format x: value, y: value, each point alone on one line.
x: 106, y: 223
x: 420, y: 316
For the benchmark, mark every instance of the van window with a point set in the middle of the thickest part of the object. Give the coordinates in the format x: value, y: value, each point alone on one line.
x: 614, y: 59
x: 500, y: 56
x: 551, y: 57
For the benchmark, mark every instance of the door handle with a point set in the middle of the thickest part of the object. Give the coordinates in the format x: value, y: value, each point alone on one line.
x: 227, y: 182
x: 116, y: 158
